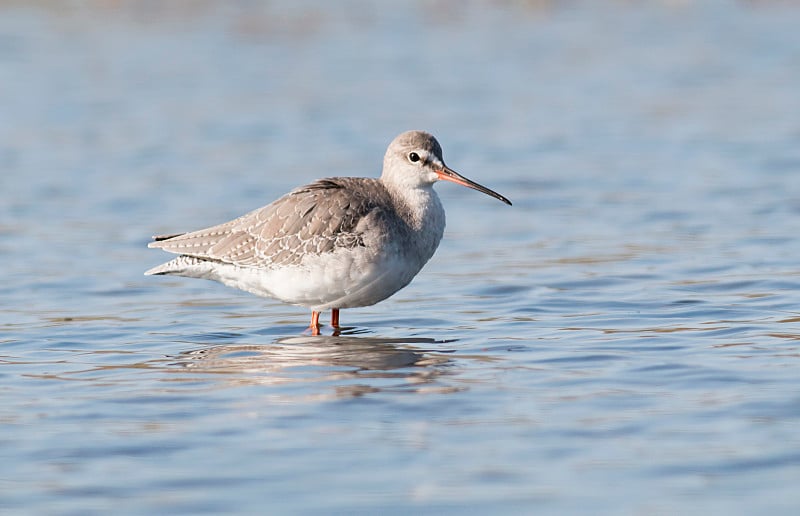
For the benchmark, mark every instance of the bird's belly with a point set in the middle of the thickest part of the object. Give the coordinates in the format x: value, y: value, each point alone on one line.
x: 342, y: 279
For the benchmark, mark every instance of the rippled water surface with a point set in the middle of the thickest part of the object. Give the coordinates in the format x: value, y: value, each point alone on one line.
x: 625, y: 339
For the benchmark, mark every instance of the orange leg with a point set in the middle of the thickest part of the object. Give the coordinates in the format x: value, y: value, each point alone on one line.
x: 335, y: 317
x: 314, y: 327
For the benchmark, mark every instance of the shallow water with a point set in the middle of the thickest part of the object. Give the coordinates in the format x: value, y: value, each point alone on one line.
x: 624, y: 339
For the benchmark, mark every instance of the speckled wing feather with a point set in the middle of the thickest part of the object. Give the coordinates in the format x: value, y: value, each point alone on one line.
x: 313, y: 219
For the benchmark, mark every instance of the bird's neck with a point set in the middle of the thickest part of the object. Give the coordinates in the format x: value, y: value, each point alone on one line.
x: 423, y: 217
x: 420, y: 207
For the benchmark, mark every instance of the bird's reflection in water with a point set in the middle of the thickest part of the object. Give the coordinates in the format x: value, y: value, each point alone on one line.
x: 355, y: 365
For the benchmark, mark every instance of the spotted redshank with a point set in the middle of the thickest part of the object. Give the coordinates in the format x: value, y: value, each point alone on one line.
x: 339, y: 242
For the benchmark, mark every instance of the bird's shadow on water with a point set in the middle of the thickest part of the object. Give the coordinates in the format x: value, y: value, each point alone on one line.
x: 367, y: 353
x: 350, y: 364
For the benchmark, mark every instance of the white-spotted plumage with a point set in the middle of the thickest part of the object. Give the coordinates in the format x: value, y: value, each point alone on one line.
x: 339, y: 242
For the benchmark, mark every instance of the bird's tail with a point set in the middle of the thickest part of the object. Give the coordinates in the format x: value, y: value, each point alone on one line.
x: 182, y: 266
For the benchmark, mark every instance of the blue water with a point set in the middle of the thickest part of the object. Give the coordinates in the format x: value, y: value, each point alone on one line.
x: 625, y: 339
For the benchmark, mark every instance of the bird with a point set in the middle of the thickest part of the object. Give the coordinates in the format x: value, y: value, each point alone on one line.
x: 336, y: 243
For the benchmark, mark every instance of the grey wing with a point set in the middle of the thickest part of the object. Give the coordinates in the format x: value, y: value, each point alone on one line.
x: 314, y: 219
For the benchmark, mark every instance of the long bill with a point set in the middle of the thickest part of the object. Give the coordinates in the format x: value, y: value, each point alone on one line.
x: 448, y: 174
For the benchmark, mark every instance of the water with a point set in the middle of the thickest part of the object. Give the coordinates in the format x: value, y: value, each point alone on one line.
x: 624, y: 339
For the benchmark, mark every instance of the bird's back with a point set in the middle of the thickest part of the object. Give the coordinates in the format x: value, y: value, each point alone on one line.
x: 315, y: 219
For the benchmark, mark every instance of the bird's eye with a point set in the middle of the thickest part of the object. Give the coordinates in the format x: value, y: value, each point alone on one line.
x: 413, y: 157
